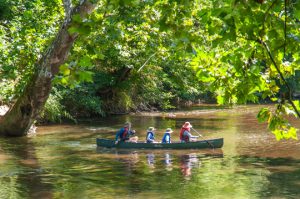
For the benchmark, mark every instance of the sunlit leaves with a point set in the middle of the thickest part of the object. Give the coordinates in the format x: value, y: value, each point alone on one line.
x: 24, y: 34
x: 244, y: 70
x: 286, y: 133
x: 64, y: 69
x: 73, y: 74
x: 263, y: 115
x: 221, y: 40
x: 277, y: 122
x: 86, y: 62
x: 129, y: 35
x: 80, y: 26
x: 85, y: 76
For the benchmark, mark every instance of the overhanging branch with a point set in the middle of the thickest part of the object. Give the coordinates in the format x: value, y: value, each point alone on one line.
x: 281, y: 76
x: 68, y: 7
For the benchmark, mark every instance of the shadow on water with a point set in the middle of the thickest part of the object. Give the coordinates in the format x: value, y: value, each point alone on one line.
x: 24, y: 177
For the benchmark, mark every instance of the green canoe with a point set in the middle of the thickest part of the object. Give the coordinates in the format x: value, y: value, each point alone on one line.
x: 203, y: 144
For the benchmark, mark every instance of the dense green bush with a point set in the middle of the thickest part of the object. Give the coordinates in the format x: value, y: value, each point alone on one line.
x: 54, y: 111
x: 82, y: 102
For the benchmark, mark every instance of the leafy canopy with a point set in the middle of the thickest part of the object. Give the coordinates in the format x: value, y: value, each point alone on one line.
x: 243, y: 51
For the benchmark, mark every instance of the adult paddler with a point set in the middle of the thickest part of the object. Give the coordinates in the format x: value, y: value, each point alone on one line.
x: 125, y: 134
x: 185, y: 133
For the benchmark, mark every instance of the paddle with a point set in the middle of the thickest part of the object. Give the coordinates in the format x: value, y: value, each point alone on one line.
x: 210, y: 144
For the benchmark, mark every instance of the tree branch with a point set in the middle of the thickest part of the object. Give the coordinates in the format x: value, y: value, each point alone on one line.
x: 266, y: 15
x: 281, y: 76
x: 285, y: 19
x: 22, y: 114
x: 146, y: 62
x: 68, y: 7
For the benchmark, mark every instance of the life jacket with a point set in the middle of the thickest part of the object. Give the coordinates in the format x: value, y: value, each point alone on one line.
x: 164, y: 140
x: 151, y: 136
x: 125, y: 133
x: 182, y: 136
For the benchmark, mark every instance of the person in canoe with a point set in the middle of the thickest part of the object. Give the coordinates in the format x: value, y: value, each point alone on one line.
x: 126, y: 134
x: 167, y: 136
x: 185, y: 133
x: 150, y: 137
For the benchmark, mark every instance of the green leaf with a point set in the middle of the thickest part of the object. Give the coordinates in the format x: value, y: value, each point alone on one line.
x: 64, y: 69
x: 77, y: 18
x: 297, y: 9
x: 274, y: 122
x: 86, y: 62
x: 82, y: 29
x: 220, y: 99
x: 297, y: 104
x: 64, y: 80
x: 278, y: 134
x: 293, y: 133
x: 85, y: 76
x: 73, y: 30
x: 263, y: 115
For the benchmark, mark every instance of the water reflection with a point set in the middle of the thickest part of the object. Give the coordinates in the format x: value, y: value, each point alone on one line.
x: 187, y: 162
x: 26, y: 180
x: 168, y: 162
x: 165, y: 160
x: 151, y: 160
x: 181, y: 162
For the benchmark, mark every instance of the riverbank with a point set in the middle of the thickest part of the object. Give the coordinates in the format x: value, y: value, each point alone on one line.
x: 203, y: 109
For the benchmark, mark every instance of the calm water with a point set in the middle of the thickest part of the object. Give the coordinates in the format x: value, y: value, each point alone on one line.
x: 62, y: 161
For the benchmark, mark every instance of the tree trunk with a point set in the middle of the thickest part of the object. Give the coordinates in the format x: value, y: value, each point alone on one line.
x: 18, y: 120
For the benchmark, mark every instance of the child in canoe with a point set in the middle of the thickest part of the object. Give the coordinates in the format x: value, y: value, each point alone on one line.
x: 150, y: 137
x: 167, y: 136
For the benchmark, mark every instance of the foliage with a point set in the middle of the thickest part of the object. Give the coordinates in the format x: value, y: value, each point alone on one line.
x: 136, y: 64
x: 278, y: 124
x: 138, y: 54
x: 54, y: 111
x: 26, y: 29
x: 5, y: 11
x: 251, y: 48
x: 82, y: 102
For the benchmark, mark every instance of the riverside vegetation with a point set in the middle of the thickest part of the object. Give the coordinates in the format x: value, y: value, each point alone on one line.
x: 63, y: 59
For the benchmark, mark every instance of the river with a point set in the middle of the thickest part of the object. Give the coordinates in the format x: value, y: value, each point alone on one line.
x: 62, y: 161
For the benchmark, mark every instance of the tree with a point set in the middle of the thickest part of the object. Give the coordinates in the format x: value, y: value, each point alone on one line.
x: 138, y: 60
x: 242, y: 51
x: 254, y: 48
x: 21, y: 116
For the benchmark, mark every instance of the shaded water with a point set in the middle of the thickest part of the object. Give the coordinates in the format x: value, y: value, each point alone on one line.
x: 62, y: 161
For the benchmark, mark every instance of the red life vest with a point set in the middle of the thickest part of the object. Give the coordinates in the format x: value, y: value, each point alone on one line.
x: 182, y: 136
x: 124, y: 135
